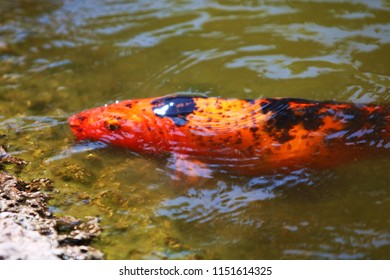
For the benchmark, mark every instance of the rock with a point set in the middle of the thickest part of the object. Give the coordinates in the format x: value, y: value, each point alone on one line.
x: 29, y: 231
x: 21, y: 241
x: 5, y: 158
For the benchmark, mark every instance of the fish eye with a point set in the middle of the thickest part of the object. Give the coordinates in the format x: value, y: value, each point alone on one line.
x: 112, y: 126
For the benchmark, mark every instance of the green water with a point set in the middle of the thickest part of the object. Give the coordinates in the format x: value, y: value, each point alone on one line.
x: 60, y: 57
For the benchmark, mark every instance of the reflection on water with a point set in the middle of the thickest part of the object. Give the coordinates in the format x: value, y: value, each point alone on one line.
x: 60, y: 57
x: 231, y: 198
x: 204, y: 205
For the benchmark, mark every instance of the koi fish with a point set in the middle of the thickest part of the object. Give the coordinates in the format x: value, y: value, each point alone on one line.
x: 246, y: 137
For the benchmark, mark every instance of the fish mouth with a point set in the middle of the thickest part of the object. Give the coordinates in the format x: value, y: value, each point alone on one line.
x: 76, y: 123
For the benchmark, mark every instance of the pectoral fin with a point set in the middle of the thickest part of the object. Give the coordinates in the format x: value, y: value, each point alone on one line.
x: 188, y: 170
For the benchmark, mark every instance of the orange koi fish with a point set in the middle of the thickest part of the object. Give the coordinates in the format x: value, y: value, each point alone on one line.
x: 246, y: 137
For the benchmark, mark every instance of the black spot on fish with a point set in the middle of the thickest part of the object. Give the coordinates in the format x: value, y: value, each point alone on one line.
x: 358, y: 118
x: 174, y: 107
x: 379, y: 119
x: 179, y: 121
x: 112, y: 127
x: 284, y: 118
x: 310, y: 117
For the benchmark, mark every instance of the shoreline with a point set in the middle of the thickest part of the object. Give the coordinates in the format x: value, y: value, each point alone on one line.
x: 28, y: 230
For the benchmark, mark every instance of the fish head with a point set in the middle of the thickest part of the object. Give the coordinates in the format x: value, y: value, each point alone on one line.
x: 119, y: 124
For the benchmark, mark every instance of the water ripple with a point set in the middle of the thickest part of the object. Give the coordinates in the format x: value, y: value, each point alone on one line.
x: 286, y: 67
x: 326, y: 35
x: 205, y: 205
x: 152, y: 38
x: 229, y: 199
x: 31, y: 123
x: 358, y: 239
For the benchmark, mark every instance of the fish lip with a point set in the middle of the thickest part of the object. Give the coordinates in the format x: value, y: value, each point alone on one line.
x: 72, y: 121
x: 75, y: 122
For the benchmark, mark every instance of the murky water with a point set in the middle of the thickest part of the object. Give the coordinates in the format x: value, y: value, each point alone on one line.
x: 60, y: 57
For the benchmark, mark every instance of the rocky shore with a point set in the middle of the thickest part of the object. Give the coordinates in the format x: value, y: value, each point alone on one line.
x: 28, y: 230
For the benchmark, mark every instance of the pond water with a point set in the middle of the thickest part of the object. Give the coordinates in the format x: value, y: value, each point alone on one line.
x: 61, y: 57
